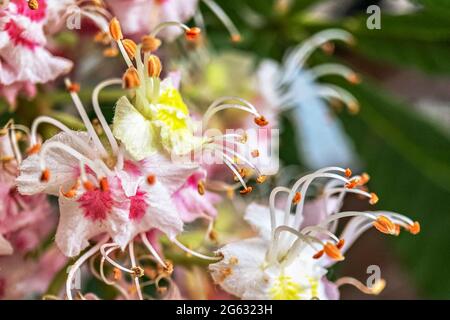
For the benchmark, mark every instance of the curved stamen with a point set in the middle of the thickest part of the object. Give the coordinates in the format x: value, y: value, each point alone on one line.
x: 99, y: 113
x: 152, y: 250
x: 194, y: 253
x: 166, y: 24
x: 83, y: 114
x: 301, y: 53
x: 334, y: 92
x: 334, y: 69
x: 229, y: 25
x: 229, y: 163
x: 76, y: 266
x: 321, y: 230
x: 59, y: 145
x: 272, y: 198
x: 44, y: 119
x: 111, y: 261
x: 273, y: 249
x: 133, y: 265
x: 101, y: 277
x: 211, y: 112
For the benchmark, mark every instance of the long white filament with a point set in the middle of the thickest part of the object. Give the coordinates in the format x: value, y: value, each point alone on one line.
x: 76, y: 266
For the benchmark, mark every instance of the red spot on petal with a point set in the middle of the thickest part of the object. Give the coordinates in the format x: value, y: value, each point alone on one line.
x: 96, y: 204
x: 138, y: 206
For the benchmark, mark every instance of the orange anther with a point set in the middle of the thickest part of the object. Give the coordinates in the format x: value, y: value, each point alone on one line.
x: 255, y: 153
x: 297, y: 198
x: 246, y: 191
x: 348, y: 172
x: 352, y: 183
x: 154, y: 66
x: 151, y: 179
x: 34, y: 149
x: 33, y: 4
x: 415, y: 228
x: 45, y: 175
x: 73, y: 87
x: 193, y: 33
x: 373, y: 198
x: 115, y: 30
x: 236, y: 38
x: 261, y: 179
x: 131, y: 78
x: 385, y: 225
x: 150, y: 44
x: 130, y: 47
x: 353, y: 78
x: 110, y: 52
x: 364, y: 179
x: 104, y: 185
x: 340, y: 244
x: 333, y: 251
x: 201, y: 188
x: 88, y: 185
x: 261, y: 121
x: 318, y: 255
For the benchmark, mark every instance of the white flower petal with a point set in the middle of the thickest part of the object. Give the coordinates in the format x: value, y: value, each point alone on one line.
x: 64, y: 168
x: 240, y: 273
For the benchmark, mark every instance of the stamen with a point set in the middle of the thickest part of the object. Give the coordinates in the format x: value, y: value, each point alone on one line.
x: 34, y: 149
x: 150, y: 44
x: 229, y: 25
x: 76, y: 266
x: 193, y: 33
x: 195, y: 254
x: 131, y: 78
x: 138, y: 272
x: 333, y: 252
x: 385, y: 225
x: 151, y: 179
x: 201, y: 188
x: 152, y: 250
x: 115, y: 29
x: 373, y: 198
x: 130, y: 47
x: 101, y: 117
x: 33, y: 4
x: 261, y: 121
x: 45, y: 175
x: 255, y: 153
x: 82, y: 112
x: 261, y: 179
x: 297, y: 198
x: 415, y: 228
x: 116, y: 33
x: 154, y: 66
x: 246, y: 191
x: 348, y: 172
x: 104, y: 185
x: 166, y: 24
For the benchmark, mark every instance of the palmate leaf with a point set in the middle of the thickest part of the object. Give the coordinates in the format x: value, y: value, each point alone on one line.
x: 409, y: 161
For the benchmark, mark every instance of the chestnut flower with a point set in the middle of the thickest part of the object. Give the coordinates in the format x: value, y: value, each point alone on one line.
x: 289, y: 257
x: 156, y: 119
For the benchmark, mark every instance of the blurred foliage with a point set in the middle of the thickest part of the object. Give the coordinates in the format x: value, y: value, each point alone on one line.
x: 407, y: 157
